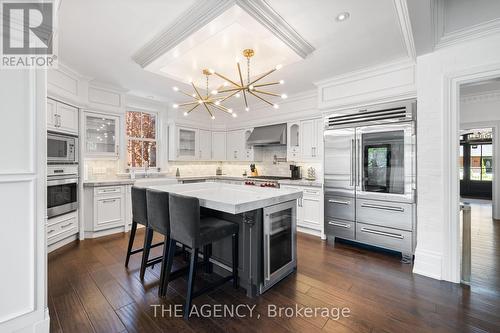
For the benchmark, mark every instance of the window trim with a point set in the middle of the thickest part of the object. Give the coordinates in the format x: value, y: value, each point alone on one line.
x: 156, y: 140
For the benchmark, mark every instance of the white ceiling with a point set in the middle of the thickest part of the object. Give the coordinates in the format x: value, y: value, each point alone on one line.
x: 460, y: 14
x: 99, y: 37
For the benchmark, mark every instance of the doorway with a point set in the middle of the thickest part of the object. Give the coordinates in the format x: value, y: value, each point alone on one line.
x: 476, y: 163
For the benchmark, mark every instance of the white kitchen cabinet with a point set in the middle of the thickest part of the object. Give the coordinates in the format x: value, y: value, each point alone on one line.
x: 102, y: 135
x: 311, y: 139
x: 183, y: 143
x: 249, y: 151
x: 218, y: 146
x: 62, y: 117
x: 236, y: 148
x: 293, y: 141
x: 309, y: 210
x: 205, y: 145
x: 60, y: 228
x: 105, y: 210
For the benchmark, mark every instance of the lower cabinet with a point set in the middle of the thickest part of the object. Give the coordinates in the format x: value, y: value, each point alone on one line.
x: 61, y: 228
x: 309, y: 210
x: 106, y: 210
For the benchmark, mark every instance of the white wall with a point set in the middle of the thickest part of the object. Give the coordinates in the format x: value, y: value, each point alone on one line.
x: 23, y: 298
x: 436, y: 253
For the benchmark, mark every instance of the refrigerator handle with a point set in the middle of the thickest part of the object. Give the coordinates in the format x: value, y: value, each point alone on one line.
x: 352, y: 162
x: 358, y: 156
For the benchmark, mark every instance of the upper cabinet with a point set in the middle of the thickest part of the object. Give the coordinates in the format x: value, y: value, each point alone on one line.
x: 218, y: 146
x: 62, y: 117
x: 101, y: 135
x: 236, y: 148
x: 293, y: 141
x: 205, y: 145
x: 186, y: 143
x: 311, y: 139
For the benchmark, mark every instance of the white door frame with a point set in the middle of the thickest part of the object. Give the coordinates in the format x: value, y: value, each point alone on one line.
x: 451, y: 128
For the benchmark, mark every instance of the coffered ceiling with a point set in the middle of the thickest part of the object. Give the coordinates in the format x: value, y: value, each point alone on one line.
x: 103, y: 39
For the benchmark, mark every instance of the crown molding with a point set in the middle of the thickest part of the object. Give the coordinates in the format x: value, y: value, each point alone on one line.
x: 405, y: 26
x: 445, y: 39
x: 204, y: 11
x: 269, y: 18
x: 490, y: 96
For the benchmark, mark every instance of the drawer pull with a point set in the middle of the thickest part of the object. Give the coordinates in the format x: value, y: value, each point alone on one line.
x: 50, y: 231
x: 376, y: 232
x: 109, y: 200
x: 66, y: 225
x: 392, y: 208
x: 338, y: 224
x: 340, y: 202
x: 110, y: 190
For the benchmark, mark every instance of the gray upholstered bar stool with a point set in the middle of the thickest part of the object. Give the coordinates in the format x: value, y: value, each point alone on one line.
x: 187, y: 228
x: 140, y: 216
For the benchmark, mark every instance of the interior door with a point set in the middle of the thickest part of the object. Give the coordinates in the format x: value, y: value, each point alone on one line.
x: 385, y: 162
x: 340, y: 171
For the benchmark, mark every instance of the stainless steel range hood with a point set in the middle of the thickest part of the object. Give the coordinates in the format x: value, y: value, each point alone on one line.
x: 268, y: 135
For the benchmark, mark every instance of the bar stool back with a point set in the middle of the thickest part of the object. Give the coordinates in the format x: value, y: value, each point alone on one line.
x: 187, y: 228
x: 139, y: 216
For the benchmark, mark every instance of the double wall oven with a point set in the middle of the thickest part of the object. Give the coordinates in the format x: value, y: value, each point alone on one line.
x: 370, y: 175
x: 62, y: 174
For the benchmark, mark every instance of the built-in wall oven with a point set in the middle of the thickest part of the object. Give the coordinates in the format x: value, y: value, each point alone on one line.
x: 61, y: 148
x: 279, y: 243
x: 62, y: 189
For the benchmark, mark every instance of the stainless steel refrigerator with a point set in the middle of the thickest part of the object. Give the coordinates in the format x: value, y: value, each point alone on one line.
x: 370, y: 176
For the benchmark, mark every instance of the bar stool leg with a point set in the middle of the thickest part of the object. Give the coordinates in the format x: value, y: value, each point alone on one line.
x: 166, y: 244
x: 133, y: 229
x: 235, y: 261
x: 167, y: 267
x: 148, y: 238
x: 192, y: 273
x: 207, y: 253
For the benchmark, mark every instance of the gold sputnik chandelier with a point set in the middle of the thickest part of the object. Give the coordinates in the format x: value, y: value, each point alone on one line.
x: 233, y: 88
x: 209, y: 102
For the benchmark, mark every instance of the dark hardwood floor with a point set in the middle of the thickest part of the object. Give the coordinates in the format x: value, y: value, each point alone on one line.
x: 90, y: 290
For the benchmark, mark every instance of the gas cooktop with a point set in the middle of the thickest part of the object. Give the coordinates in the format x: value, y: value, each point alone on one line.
x: 269, y: 177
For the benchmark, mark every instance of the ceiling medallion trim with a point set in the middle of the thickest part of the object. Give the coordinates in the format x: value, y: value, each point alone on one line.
x: 204, y: 11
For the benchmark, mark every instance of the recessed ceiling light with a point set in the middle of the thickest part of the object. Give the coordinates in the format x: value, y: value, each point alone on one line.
x: 342, y: 17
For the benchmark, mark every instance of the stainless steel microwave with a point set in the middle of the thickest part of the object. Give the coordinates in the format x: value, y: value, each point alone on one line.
x: 62, y: 148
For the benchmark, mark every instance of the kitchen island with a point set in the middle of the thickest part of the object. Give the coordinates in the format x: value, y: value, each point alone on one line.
x: 267, y: 234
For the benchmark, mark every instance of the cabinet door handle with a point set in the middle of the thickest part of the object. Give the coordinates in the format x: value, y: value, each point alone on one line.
x: 376, y: 232
x: 352, y: 166
x: 358, y: 180
x: 340, y: 202
x: 66, y: 225
x: 50, y: 231
x: 391, y: 208
x: 339, y: 224
x: 109, y: 200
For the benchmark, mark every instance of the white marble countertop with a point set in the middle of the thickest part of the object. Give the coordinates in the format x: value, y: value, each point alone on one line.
x: 108, y: 182
x: 297, y: 182
x: 230, y: 198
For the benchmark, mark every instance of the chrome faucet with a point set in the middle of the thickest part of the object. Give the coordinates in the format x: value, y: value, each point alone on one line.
x: 146, y: 169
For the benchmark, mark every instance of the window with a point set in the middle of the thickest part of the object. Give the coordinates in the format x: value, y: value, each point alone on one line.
x: 141, y: 139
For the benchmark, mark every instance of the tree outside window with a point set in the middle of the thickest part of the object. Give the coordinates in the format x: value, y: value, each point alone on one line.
x: 141, y: 139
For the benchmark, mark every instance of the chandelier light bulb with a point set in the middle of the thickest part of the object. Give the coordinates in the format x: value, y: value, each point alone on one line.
x: 190, y: 80
x: 185, y: 114
x: 235, y: 115
x: 200, y: 101
x: 225, y: 83
x: 247, y: 109
x: 284, y: 96
x: 278, y: 67
x: 282, y: 81
x: 194, y: 95
x: 213, y: 117
x: 175, y: 106
x: 276, y: 106
x: 214, y: 92
x: 251, y: 87
x: 211, y: 71
x: 230, y: 110
x: 217, y: 102
x: 237, y: 59
x: 175, y: 89
x: 237, y: 95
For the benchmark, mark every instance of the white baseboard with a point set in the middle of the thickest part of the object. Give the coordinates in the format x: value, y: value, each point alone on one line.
x: 101, y: 233
x: 308, y: 231
x: 428, y: 263
x: 61, y: 243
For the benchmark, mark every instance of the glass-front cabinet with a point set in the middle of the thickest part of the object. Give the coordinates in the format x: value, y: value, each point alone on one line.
x: 186, y: 143
x: 101, y: 135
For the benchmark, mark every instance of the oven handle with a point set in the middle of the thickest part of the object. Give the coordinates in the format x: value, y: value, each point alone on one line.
x: 62, y: 181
